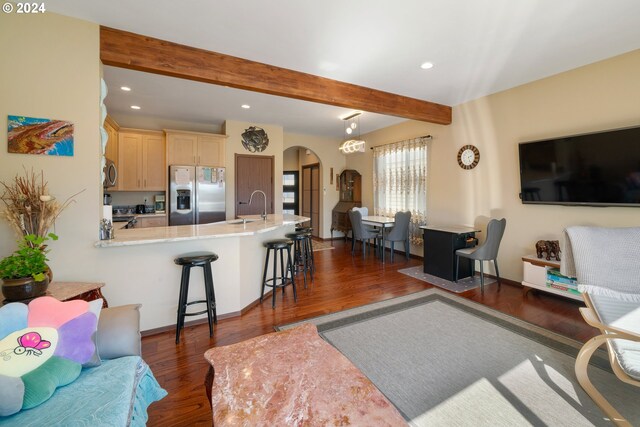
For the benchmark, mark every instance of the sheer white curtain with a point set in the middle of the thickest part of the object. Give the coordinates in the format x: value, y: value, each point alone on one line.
x: 400, y: 182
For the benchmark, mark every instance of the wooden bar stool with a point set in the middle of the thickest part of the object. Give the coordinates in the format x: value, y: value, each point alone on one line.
x: 196, y: 259
x: 278, y: 246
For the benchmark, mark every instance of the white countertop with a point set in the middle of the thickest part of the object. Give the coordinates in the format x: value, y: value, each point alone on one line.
x: 451, y: 228
x: 144, y: 236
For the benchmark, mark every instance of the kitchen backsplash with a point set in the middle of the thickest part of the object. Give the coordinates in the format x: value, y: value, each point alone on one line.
x: 131, y: 209
x: 133, y: 198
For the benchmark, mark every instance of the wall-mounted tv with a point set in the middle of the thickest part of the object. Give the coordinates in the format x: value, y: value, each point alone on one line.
x: 596, y: 169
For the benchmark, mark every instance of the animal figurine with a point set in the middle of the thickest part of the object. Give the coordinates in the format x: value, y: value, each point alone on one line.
x: 551, y: 247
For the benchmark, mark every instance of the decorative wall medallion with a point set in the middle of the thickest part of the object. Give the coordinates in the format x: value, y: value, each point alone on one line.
x: 468, y: 157
x: 255, y: 139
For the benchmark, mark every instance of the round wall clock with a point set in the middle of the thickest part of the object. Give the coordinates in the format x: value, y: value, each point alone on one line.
x: 255, y: 139
x: 468, y: 157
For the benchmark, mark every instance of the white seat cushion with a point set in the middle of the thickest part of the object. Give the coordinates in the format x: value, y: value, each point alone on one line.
x: 624, y: 315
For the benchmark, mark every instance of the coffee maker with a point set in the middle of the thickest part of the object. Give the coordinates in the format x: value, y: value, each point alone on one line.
x: 160, y: 206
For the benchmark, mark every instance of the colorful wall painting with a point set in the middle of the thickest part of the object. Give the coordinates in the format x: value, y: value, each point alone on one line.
x: 29, y: 135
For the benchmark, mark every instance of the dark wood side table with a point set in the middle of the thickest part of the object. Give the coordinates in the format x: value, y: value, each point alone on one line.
x: 440, y: 245
x: 67, y: 291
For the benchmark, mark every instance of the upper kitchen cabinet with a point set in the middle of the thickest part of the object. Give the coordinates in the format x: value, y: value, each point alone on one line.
x: 142, y: 165
x: 111, y: 150
x: 195, y: 148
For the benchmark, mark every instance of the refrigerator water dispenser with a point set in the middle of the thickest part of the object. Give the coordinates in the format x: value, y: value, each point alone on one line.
x: 183, y: 200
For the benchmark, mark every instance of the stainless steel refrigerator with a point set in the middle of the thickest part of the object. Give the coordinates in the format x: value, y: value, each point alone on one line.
x: 196, y: 194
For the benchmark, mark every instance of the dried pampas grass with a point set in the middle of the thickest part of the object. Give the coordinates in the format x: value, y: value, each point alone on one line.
x: 30, y: 207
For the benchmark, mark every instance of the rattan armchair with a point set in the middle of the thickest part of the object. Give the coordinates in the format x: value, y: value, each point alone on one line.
x: 610, y: 285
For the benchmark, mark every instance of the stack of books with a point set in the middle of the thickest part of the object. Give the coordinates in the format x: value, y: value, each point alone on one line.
x: 564, y: 283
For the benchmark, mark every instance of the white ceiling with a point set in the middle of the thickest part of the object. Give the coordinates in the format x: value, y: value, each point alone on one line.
x: 477, y: 47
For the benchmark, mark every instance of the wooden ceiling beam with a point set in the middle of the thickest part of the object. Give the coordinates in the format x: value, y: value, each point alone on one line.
x: 137, y: 52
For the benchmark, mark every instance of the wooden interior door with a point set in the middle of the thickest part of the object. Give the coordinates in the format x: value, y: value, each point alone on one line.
x: 253, y: 173
x: 311, y: 196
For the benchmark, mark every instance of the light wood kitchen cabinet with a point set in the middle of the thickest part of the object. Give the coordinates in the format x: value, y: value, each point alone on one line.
x: 195, y: 148
x: 150, y: 221
x: 111, y: 150
x: 142, y: 165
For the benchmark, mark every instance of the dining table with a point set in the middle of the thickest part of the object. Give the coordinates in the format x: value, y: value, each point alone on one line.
x: 381, y: 222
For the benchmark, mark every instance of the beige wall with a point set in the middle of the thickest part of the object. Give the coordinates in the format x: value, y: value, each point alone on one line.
x: 290, y: 159
x: 604, y: 95
x: 51, y: 69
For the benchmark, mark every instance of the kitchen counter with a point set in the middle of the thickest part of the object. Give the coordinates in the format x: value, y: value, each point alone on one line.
x: 144, y: 236
x: 138, y: 265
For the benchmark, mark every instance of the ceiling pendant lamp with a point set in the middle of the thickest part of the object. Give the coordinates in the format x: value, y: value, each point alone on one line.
x: 352, y: 143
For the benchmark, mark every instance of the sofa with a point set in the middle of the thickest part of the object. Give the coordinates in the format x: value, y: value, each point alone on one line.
x: 116, y: 392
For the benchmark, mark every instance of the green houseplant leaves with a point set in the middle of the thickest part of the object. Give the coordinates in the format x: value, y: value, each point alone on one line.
x: 29, y: 260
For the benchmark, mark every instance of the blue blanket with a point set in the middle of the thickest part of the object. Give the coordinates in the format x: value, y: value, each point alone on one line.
x: 116, y: 393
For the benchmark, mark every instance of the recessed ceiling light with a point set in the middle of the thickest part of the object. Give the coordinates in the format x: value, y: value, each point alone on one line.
x: 125, y: 88
x: 135, y: 107
x: 245, y: 106
x: 426, y: 65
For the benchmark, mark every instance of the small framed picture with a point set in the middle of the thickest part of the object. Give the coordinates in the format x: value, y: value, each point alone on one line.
x: 331, y: 176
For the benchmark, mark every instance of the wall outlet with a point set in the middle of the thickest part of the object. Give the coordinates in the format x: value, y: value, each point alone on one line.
x: 145, y: 200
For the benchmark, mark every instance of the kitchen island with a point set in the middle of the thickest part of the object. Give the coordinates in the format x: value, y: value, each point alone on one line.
x: 138, y: 265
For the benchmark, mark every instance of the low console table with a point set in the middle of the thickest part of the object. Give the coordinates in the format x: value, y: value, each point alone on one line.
x: 535, y: 276
x: 67, y: 291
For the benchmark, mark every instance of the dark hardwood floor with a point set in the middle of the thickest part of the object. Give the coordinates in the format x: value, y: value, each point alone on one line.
x: 341, y: 282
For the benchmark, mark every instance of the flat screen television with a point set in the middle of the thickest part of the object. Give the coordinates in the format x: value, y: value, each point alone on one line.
x: 595, y: 169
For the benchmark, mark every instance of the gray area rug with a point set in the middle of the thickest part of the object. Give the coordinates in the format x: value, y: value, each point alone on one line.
x: 462, y: 285
x: 444, y: 360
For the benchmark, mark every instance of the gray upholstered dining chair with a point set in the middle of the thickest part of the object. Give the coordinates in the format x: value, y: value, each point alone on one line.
x: 364, y: 211
x: 400, y: 232
x: 610, y: 284
x: 360, y: 232
x: 488, y: 251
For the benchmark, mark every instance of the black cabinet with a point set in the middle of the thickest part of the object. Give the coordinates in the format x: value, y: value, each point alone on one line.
x: 440, y: 245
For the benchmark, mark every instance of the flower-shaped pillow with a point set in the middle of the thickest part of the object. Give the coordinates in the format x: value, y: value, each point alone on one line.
x: 43, y: 346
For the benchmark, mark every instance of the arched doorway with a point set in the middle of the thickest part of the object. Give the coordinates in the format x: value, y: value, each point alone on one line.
x: 302, y: 185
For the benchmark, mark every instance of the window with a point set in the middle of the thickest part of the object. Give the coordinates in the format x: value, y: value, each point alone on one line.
x: 400, y: 182
x: 290, y: 192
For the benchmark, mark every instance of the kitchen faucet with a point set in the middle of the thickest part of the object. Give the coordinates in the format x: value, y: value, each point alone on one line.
x: 263, y: 215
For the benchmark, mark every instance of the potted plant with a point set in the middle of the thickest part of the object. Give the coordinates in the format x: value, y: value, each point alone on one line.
x: 24, y: 273
x: 31, y: 211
